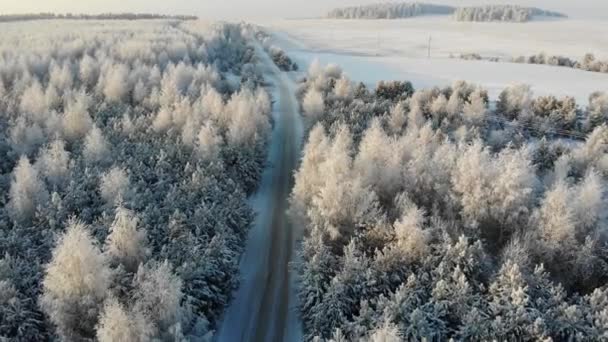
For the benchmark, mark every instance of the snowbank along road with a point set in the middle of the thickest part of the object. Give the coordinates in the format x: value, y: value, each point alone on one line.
x: 264, y: 308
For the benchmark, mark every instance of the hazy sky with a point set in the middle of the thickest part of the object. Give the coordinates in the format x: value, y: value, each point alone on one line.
x: 262, y: 9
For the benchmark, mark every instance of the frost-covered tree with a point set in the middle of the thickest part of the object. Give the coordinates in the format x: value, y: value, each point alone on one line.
x: 115, y: 185
x: 33, y: 101
x: 248, y: 118
x: 377, y: 163
x: 212, y: 105
x: 557, y: 221
x: 343, y: 88
x: 308, y: 178
x: 411, y: 236
x: 511, y: 305
x: 398, y: 118
x: 598, y: 110
x: 158, y: 295
x: 126, y: 243
x: 394, y: 90
x: 61, y: 77
x: 514, y: 100
x: 495, y: 193
x: 209, y: 142
x: 27, y: 191
x: 75, y: 284
x: 54, y: 163
x: 116, y: 84
x: 313, y: 104
x: 386, y: 333
x: 25, y: 138
x: 88, y: 70
x: 343, y: 200
x: 474, y: 111
x: 96, y: 148
x: 590, y: 202
x: 76, y: 119
x: 118, y: 323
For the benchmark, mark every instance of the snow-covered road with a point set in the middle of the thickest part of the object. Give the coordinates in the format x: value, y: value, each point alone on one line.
x: 264, y: 308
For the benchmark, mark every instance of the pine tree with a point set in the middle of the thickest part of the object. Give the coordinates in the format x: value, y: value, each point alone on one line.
x: 511, y: 305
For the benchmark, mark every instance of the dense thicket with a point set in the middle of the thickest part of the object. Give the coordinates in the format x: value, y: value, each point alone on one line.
x: 103, y: 16
x: 389, y: 11
x: 127, y: 153
x: 430, y: 215
x: 508, y: 13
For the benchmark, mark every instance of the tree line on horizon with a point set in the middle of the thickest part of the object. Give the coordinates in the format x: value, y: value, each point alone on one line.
x: 400, y: 10
x: 102, y: 16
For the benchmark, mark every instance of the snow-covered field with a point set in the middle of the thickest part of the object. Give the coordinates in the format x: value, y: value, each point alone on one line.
x: 373, y: 50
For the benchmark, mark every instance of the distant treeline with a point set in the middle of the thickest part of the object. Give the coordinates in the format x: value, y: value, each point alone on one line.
x: 507, y: 13
x: 103, y: 16
x: 588, y: 63
x: 389, y: 11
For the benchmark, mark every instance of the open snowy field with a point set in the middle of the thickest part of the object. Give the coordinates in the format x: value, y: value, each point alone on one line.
x: 409, y: 37
x: 373, y: 50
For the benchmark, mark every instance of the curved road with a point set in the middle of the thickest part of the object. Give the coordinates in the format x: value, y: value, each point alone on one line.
x: 263, y: 309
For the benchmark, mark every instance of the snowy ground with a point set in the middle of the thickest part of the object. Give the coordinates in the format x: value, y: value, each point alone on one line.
x: 373, y: 50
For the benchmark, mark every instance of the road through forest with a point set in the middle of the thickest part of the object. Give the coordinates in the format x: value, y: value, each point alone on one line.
x: 264, y: 309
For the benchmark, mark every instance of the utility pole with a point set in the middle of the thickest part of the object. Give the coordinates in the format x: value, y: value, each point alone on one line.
x: 429, y: 55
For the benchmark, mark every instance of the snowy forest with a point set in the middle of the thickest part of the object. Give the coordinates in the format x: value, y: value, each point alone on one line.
x: 506, y: 13
x: 395, y: 10
x: 128, y: 152
x: 170, y: 179
x: 432, y: 214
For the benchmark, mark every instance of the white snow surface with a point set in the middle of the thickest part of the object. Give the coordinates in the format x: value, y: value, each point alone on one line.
x: 374, y: 50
